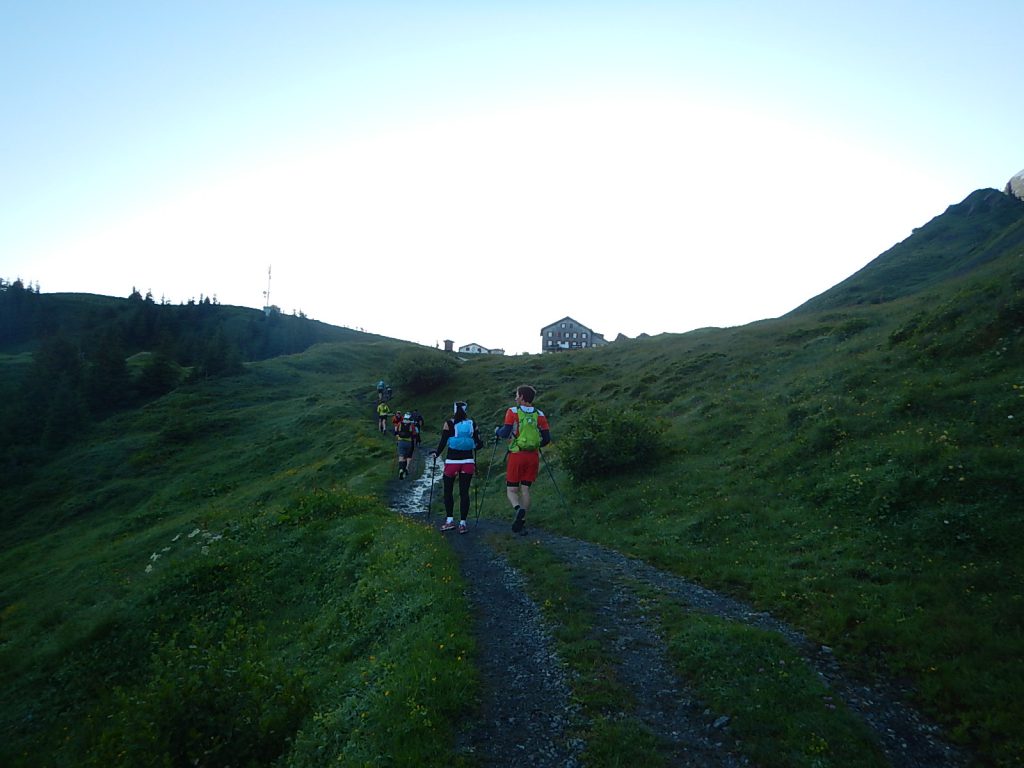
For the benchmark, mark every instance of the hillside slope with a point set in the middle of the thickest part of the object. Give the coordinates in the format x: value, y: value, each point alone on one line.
x: 141, y: 324
x: 986, y: 226
x: 852, y: 470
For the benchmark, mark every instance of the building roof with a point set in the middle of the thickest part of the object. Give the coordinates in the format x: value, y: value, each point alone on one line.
x: 566, y: 319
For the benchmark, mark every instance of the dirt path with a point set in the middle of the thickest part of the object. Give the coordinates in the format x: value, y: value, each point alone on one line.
x: 525, y: 713
x: 525, y: 716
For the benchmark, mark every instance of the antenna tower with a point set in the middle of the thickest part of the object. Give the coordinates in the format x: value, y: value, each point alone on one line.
x: 266, y: 294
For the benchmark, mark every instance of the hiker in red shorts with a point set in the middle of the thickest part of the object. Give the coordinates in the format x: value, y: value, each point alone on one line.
x: 526, y: 429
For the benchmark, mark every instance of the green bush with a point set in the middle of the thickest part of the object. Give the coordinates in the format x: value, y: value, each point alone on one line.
x: 607, y: 441
x: 418, y: 372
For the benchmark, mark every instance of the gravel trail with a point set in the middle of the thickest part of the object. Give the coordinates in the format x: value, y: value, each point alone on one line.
x: 525, y: 715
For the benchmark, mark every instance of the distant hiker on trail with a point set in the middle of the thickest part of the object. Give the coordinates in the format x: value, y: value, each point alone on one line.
x: 459, y: 435
x: 526, y: 429
x: 405, y: 433
x: 417, y: 418
x: 380, y: 390
x: 387, y: 393
x: 383, y: 411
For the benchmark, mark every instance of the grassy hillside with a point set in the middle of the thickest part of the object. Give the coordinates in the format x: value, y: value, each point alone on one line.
x: 140, y: 323
x: 986, y: 226
x: 221, y: 556
x: 75, y: 359
x: 214, y: 560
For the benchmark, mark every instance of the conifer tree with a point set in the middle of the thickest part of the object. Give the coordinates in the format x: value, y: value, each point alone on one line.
x: 107, y: 382
x: 159, y: 376
x: 66, y: 415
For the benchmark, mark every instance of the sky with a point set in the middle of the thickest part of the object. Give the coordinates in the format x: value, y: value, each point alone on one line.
x: 474, y: 171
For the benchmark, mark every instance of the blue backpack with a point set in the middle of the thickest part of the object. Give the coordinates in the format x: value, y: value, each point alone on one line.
x: 462, y: 437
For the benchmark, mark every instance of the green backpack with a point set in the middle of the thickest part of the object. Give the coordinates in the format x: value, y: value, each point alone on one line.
x: 528, y: 438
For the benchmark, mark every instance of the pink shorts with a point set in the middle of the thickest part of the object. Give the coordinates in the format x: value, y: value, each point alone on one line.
x: 451, y: 470
x: 522, y: 467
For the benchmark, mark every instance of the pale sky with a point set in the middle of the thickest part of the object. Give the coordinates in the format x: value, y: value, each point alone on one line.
x: 476, y: 170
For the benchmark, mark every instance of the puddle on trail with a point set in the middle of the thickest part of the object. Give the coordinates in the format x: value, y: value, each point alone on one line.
x: 413, y: 498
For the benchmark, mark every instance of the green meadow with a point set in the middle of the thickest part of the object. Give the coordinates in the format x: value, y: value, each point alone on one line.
x: 212, y: 576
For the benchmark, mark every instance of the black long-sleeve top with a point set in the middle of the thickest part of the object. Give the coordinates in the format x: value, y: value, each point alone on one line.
x: 454, y: 454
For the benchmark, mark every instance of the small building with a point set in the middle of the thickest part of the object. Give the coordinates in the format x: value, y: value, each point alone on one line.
x: 477, y: 349
x: 568, y: 334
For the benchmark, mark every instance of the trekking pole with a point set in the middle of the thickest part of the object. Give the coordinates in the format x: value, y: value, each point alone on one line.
x: 487, y: 477
x: 430, y: 496
x: 476, y: 488
x: 565, y: 507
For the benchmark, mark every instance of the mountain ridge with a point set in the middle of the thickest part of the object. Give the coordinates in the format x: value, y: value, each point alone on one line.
x: 982, y: 227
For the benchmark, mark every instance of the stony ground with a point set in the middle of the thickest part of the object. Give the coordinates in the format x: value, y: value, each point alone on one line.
x: 525, y: 716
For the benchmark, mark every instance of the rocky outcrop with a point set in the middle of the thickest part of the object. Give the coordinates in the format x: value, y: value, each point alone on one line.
x: 1015, y: 186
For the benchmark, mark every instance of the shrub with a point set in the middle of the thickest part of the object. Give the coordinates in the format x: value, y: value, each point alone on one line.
x: 419, y: 372
x: 608, y: 441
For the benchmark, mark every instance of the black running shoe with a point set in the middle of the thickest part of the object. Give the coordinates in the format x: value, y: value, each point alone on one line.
x: 520, y: 520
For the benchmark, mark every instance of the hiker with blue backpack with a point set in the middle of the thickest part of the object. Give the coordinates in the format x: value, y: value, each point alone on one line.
x: 460, y: 437
x: 526, y: 428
